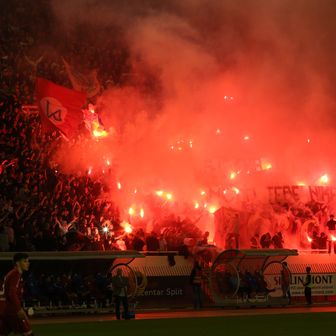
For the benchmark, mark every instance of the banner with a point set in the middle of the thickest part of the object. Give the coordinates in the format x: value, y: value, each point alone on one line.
x: 324, y: 284
x: 60, y: 107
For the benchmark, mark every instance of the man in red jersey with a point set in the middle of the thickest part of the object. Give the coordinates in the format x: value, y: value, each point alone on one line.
x: 14, y: 317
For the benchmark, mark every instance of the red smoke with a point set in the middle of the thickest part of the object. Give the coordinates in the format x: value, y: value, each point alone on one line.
x: 243, y: 100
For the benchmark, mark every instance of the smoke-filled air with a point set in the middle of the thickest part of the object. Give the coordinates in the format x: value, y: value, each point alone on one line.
x: 225, y: 104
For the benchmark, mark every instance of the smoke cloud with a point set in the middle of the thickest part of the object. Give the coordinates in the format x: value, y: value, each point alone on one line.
x: 231, y: 83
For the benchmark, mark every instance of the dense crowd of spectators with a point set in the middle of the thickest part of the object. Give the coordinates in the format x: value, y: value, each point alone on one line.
x: 45, y: 209
x: 42, y: 208
x: 301, y: 225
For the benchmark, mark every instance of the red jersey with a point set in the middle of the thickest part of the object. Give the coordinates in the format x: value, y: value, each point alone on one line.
x: 13, y: 291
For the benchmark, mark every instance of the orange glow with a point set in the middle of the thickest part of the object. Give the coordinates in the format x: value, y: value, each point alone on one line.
x: 218, y: 131
x: 233, y: 175
x: 127, y: 227
x: 99, y: 134
x: 236, y: 190
x: 268, y: 166
x: 196, y: 205
x: 169, y: 196
x: 131, y: 211
x: 213, y: 209
x: 142, y: 213
x: 90, y: 170
x: 203, y: 193
x: 333, y: 238
x: 119, y: 185
x: 246, y: 137
x: 324, y: 179
x: 309, y: 239
x: 301, y: 184
x: 108, y: 162
x: 159, y: 193
x: 97, y: 130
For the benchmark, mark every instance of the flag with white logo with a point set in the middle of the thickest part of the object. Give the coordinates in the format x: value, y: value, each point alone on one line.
x: 60, y: 108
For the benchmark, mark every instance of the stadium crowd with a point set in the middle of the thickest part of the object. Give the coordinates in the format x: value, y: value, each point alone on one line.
x: 44, y: 209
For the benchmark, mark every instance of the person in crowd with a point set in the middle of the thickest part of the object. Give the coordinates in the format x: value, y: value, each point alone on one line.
x: 4, y: 241
x: 286, y: 281
x: 308, y: 284
x: 255, y: 241
x: 196, y: 283
x: 323, y: 241
x: 15, y: 318
x: 205, y: 238
x: 277, y: 240
x: 266, y: 240
x: 315, y: 241
x: 331, y: 225
x: 138, y: 243
x: 119, y: 285
x: 152, y: 242
x: 162, y: 243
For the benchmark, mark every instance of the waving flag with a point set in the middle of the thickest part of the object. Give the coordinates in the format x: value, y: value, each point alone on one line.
x: 86, y: 82
x: 60, y: 108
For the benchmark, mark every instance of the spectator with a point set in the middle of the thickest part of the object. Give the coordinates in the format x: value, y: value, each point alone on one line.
x: 196, y: 281
x: 255, y: 241
x: 315, y: 241
x: 286, y: 281
x: 152, y: 242
x: 4, y: 241
x: 308, y: 284
x: 331, y: 225
x: 162, y: 243
x: 265, y: 240
x: 119, y: 283
x: 138, y: 243
x: 277, y: 240
x: 323, y: 241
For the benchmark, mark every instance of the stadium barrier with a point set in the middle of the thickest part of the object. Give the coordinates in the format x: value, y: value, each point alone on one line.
x: 80, y: 282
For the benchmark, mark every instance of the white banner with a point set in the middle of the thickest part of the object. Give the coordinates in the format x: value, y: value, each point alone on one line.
x: 323, y: 284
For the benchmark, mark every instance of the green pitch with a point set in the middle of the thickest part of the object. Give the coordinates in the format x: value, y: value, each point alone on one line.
x: 267, y: 325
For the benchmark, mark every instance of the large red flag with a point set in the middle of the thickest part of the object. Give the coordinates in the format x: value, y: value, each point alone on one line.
x: 60, y: 107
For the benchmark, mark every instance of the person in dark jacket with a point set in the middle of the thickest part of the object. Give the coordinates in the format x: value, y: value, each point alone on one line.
x: 119, y: 285
x: 308, y: 284
x: 196, y: 282
x: 285, y: 282
x: 265, y: 240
